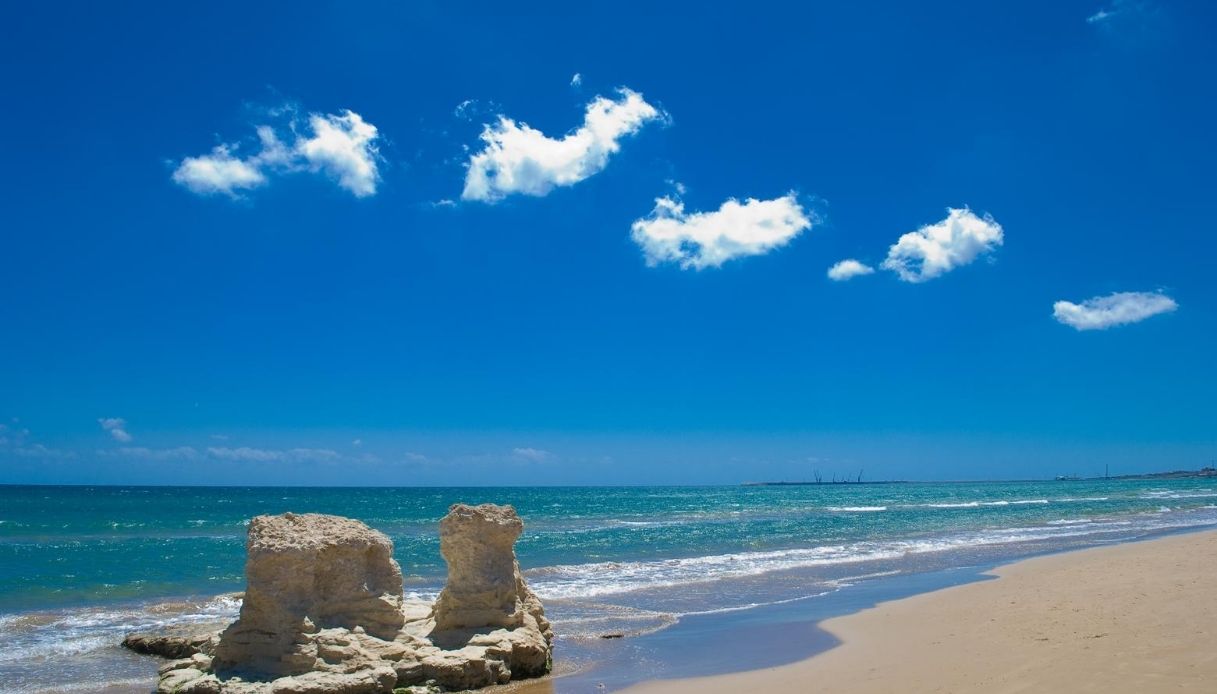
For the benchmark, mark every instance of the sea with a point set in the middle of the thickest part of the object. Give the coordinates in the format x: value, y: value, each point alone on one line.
x: 621, y: 570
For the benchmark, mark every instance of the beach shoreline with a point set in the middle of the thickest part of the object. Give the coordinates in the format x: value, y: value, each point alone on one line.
x: 684, y: 582
x: 1130, y: 617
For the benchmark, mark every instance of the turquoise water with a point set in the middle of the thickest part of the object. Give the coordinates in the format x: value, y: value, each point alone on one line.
x: 81, y: 565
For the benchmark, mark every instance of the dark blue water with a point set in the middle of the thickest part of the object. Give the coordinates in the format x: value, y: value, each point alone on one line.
x: 81, y: 565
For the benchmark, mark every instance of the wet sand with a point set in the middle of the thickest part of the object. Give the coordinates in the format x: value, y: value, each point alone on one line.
x: 1135, y: 617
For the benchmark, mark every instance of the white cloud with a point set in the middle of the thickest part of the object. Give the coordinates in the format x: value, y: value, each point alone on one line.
x: 576, y: 80
x: 520, y: 159
x: 700, y: 240
x: 848, y: 268
x: 1117, y: 8
x: 154, y: 454
x: 534, y: 455
x: 218, y: 172
x: 342, y: 146
x: 265, y: 455
x: 1121, y: 308
x: 41, y: 452
x: 117, y: 426
x: 936, y: 249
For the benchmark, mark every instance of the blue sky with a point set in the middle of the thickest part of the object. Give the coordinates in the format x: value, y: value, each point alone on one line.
x: 394, y: 285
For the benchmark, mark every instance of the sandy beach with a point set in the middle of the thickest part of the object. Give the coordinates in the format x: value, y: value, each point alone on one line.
x: 1135, y: 617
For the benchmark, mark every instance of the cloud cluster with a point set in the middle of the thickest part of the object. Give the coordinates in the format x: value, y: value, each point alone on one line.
x: 520, y: 159
x: 243, y: 454
x: 936, y: 249
x: 14, y: 441
x: 117, y: 426
x: 341, y: 146
x: 1121, y: 308
x: 847, y: 269
x: 700, y: 240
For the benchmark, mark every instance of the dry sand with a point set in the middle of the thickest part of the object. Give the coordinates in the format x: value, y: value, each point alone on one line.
x: 1138, y: 617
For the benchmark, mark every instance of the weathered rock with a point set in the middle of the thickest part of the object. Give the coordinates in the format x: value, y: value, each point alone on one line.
x: 484, y: 586
x: 171, y: 646
x: 324, y: 614
x: 309, y: 571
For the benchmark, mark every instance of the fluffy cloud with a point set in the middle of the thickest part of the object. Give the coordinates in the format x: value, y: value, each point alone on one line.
x: 218, y: 172
x: 117, y: 426
x: 708, y: 239
x: 520, y: 159
x: 1121, y: 308
x: 341, y: 146
x: 848, y: 268
x: 345, y: 148
x: 936, y: 249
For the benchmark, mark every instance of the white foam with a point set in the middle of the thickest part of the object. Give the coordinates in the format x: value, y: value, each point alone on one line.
x: 576, y: 581
x: 78, y: 632
x: 857, y: 509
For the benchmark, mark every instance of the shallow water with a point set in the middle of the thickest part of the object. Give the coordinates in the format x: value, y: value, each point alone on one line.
x: 81, y: 566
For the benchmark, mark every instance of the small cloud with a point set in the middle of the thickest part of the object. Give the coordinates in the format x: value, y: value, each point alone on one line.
x: 847, y: 269
x: 117, y: 426
x: 265, y: 455
x: 180, y: 453
x: 416, y: 457
x: 534, y: 455
x: 41, y: 452
x: 341, y: 146
x: 218, y: 172
x: 519, y: 159
x: 1104, y: 312
x: 462, y: 109
x: 1119, y: 9
x: 357, y: 443
x: 700, y: 240
x: 576, y: 80
x: 936, y: 249
x: 444, y: 203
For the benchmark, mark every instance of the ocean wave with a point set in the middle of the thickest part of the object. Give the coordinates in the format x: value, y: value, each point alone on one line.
x: 857, y: 509
x: 977, y: 504
x: 80, y: 631
x: 1198, y: 494
x: 577, y: 581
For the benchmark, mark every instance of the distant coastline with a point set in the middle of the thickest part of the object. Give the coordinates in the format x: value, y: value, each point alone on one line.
x: 1204, y: 472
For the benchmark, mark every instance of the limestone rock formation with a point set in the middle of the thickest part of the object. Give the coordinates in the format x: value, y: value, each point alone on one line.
x: 324, y: 614
x: 484, y: 586
x: 305, y: 572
